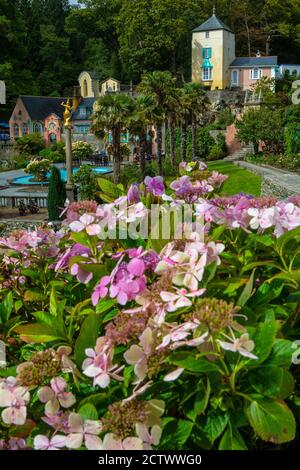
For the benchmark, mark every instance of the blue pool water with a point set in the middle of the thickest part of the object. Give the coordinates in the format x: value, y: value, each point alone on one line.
x: 27, y: 180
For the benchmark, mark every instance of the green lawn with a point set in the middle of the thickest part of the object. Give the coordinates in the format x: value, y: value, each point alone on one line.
x: 239, y: 180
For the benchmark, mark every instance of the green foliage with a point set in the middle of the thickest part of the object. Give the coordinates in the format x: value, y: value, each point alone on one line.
x: 86, y: 180
x: 130, y: 173
x: 30, y: 144
x: 53, y: 156
x: 81, y: 150
x: 56, y: 195
x: 39, y: 168
x: 289, y: 162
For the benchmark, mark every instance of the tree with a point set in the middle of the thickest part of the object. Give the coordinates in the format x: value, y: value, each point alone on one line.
x: 198, y: 102
x: 56, y: 194
x: 111, y: 115
x: 139, y: 123
x: 262, y: 125
x: 160, y: 86
x: 152, y: 34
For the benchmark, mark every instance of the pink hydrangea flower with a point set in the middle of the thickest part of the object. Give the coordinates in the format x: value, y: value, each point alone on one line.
x: 182, y: 298
x: 86, y: 222
x: 83, y: 432
x: 56, y: 442
x: 111, y: 442
x: 99, y: 366
x: 138, y: 355
x: 243, y: 345
x: 148, y: 437
x: 56, y: 396
x: 13, y: 398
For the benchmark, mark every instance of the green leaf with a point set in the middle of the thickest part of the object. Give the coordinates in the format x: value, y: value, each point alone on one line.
x: 287, y: 386
x: 191, y: 363
x: 109, y: 188
x: 97, y: 399
x: 87, y: 337
x: 9, y: 372
x: 246, y: 294
x: 6, y: 308
x: 232, y: 440
x: 104, y: 305
x: 272, y: 420
x: 88, y: 411
x: 292, y: 235
x: 34, y: 296
x: 183, y: 431
x: 95, y: 268
x: 267, y: 381
x: 282, y: 353
x: 44, y: 317
x: 37, y: 333
x: 215, y: 424
x: 264, y: 340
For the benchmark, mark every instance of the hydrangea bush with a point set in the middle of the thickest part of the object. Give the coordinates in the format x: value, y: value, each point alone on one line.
x: 39, y: 168
x: 154, y: 343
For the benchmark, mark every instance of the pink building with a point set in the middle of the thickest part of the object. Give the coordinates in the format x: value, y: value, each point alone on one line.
x: 245, y: 71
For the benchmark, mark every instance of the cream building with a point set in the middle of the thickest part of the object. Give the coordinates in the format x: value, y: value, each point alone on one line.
x: 89, y: 84
x: 213, y: 50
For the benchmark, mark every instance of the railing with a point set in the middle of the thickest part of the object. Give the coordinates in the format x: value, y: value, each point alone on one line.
x: 14, y: 201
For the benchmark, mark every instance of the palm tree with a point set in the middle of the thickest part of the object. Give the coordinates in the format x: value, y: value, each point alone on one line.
x: 172, y: 116
x: 159, y: 85
x: 110, y: 116
x: 193, y: 105
x: 139, y: 122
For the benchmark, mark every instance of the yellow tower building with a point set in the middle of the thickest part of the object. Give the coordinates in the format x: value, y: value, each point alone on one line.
x: 213, y: 50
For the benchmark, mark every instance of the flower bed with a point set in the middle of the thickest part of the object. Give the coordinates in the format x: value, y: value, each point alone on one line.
x: 143, y: 341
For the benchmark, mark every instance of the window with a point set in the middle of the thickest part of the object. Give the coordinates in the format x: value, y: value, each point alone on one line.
x: 255, y: 74
x: 37, y: 128
x: 234, y: 78
x: 85, y: 88
x: 82, y: 129
x: 207, y: 34
x: 16, y: 131
x: 82, y: 111
x: 206, y: 52
x: 206, y: 74
x: 24, y: 129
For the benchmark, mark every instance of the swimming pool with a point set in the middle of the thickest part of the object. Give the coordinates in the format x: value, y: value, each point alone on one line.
x: 27, y: 180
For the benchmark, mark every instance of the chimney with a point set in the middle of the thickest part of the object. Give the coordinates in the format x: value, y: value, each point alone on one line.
x: 76, y: 97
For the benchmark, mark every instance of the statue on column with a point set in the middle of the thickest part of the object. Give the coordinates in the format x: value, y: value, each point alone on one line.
x: 67, y: 114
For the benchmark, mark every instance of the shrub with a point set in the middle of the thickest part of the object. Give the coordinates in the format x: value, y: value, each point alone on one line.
x: 145, y: 342
x: 86, y: 180
x: 30, y: 144
x: 130, y: 173
x: 81, y: 150
x: 53, y: 156
x: 216, y: 153
x: 56, y: 194
x: 60, y: 148
x: 39, y: 168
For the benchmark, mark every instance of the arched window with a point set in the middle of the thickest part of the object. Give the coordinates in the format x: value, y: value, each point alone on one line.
x: 52, y: 138
x: 85, y: 88
x: 16, y: 131
x: 24, y: 128
x: 37, y: 128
